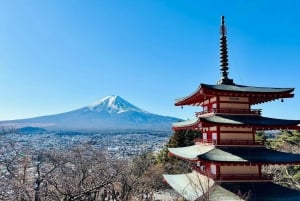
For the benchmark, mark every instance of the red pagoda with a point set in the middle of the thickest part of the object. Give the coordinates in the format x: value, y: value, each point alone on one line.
x: 227, y: 161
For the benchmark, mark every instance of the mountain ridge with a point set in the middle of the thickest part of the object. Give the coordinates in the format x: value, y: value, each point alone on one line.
x: 110, y: 112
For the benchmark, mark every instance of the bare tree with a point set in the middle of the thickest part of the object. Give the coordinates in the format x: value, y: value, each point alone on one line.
x: 45, y: 163
x: 138, y: 179
x: 84, y: 176
x: 52, y: 175
x: 25, y: 173
x: 83, y: 173
x: 15, y: 173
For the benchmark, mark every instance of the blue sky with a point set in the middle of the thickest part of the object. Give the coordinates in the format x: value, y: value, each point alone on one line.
x: 57, y: 56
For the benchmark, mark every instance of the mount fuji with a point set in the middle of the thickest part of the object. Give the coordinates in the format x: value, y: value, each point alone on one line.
x: 111, y: 112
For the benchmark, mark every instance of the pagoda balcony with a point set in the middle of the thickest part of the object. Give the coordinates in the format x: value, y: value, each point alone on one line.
x: 204, y: 141
x: 244, y: 177
x: 241, y: 142
x: 229, y: 142
x: 233, y: 177
x: 231, y: 111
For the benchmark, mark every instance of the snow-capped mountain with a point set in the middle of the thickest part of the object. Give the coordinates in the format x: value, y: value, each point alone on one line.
x: 113, y: 104
x: 111, y: 112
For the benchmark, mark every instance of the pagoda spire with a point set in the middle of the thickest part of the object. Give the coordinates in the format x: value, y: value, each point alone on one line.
x: 224, y: 55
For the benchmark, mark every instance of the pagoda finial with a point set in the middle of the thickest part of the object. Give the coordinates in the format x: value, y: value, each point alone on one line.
x: 224, y: 55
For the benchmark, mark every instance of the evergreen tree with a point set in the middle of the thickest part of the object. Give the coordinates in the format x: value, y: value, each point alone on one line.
x: 180, y: 138
x: 183, y: 138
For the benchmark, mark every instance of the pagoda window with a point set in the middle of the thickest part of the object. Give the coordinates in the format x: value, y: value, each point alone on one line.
x: 213, y: 99
x: 213, y: 169
x: 214, y: 138
x: 204, y: 136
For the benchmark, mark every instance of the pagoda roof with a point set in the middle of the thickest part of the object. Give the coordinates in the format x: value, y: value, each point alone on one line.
x: 251, y: 120
x: 256, y: 94
x: 243, y: 88
x: 239, y: 120
x: 263, y: 191
x: 193, y: 185
x: 191, y: 123
x: 234, y: 154
x: 191, y: 152
x: 249, y: 154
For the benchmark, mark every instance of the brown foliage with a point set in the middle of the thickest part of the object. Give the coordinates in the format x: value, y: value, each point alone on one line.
x: 82, y: 174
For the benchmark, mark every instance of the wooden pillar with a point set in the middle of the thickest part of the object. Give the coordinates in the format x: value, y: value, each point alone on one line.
x: 259, y: 170
x: 218, y: 171
x: 218, y: 102
x: 218, y: 135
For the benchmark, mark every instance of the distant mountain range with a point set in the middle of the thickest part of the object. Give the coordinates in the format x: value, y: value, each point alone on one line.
x: 111, y: 112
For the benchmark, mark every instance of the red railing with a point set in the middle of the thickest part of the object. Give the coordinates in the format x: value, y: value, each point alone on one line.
x: 233, y: 177
x: 229, y: 177
x: 241, y: 142
x: 228, y: 142
x: 230, y: 111
x: 204, y: 141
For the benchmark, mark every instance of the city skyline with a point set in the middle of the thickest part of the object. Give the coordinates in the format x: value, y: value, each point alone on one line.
x: 57, y: 56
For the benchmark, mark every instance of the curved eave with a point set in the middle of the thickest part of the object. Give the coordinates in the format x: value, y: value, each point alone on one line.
x: 256, y: 95
x: 258, y: 122
x: 191, y: 186
x: 262, y: 98
x: 193, y: 99
x: 249, y: 154
x: 247, y: 89
x: 190, y: 152
x: 188, y: 124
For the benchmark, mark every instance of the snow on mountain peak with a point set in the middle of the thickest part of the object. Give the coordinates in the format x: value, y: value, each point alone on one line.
x: 113, y: 104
